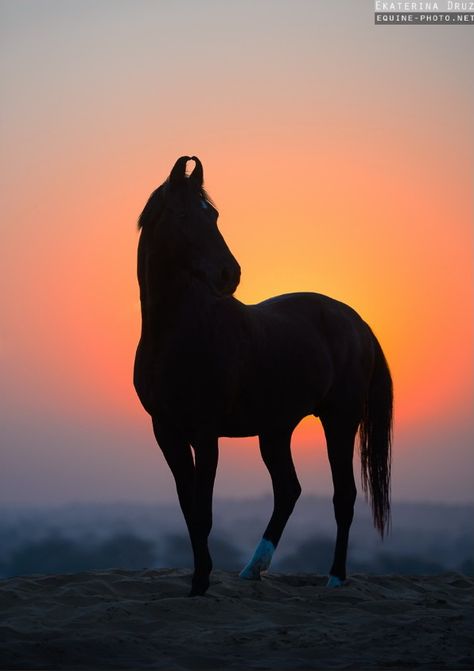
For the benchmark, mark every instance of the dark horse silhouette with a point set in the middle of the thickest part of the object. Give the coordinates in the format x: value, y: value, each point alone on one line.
x: 209, y: 366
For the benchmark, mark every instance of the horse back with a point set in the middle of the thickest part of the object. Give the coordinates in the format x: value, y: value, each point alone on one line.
x: 288, y: 356
x: 328, y: 329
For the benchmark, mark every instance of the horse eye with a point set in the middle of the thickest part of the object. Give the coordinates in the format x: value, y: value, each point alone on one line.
x: 204, y: 205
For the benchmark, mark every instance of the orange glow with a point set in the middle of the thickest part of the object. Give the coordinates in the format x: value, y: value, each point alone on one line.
x: 337, y: 168
x: 394, y: 260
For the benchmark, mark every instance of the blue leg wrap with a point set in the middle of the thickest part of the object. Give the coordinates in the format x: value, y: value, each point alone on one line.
x: 259, y: 562
x: 334, y: 581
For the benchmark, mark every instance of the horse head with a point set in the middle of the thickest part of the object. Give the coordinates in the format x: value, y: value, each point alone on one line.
x: 185, y: 235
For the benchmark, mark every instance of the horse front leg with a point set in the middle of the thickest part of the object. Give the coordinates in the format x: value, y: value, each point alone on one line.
x: 206, y: 455
x: 194, y: 480
x: 276, y: 454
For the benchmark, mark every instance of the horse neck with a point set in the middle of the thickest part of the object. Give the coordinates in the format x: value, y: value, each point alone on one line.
x: 184, y: 303
x: 160, y: 288
x: 169, y: 298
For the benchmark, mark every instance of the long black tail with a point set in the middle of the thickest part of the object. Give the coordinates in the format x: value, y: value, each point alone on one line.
x: 375, y: 437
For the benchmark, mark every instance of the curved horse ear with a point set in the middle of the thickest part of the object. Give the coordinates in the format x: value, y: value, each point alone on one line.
x: 197, y: 175
x: 178, y: 172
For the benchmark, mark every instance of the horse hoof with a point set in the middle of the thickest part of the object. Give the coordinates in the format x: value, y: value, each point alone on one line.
x: 260, y: 561
x: 196, y: 592
x: 250, y: 573
x: 334, y: 581
x: 199, y: 587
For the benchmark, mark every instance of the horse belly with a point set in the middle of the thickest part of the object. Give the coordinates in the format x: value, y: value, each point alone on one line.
x: 278, y: 391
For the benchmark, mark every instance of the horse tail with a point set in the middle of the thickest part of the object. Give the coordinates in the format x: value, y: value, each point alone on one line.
x: 375, y: 438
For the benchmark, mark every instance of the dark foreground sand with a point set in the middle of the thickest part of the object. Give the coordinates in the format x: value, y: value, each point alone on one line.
x: 143, y: 619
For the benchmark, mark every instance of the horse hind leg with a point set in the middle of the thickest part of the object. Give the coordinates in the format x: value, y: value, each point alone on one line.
x: 340, y: 436
x: 276, y: 454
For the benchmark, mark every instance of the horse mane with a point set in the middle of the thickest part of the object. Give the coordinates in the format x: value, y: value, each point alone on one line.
x: 154, y: 206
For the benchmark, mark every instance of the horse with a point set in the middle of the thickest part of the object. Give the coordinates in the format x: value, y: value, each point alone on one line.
x: 209, y: 366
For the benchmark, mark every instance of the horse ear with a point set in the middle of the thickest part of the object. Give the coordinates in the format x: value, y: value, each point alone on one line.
x: 197, y: 175
x: 179, y: 169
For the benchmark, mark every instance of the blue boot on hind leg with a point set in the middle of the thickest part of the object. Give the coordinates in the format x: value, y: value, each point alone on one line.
x: 260, y: 561
x: 334, y: 581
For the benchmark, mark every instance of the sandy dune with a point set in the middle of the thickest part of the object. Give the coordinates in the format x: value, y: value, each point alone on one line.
x: 143, y: 619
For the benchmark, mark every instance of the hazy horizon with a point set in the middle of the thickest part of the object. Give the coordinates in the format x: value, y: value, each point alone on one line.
x: 424, y: 539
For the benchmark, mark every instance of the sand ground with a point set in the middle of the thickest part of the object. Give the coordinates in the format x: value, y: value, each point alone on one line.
x: 144, y: 619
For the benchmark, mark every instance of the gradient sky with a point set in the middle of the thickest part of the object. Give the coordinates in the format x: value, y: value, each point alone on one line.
x: 340, y: 157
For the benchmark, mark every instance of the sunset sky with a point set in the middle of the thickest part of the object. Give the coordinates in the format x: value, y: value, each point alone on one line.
x: 340, y: 157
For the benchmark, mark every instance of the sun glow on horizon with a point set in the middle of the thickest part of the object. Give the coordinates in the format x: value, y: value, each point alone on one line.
x: 338, y: 165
